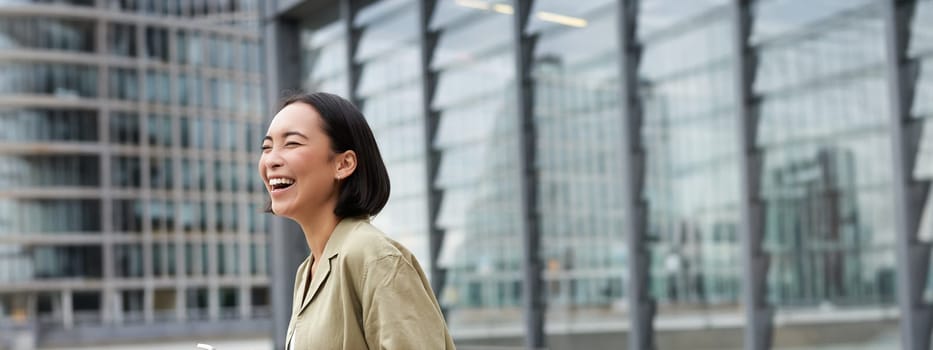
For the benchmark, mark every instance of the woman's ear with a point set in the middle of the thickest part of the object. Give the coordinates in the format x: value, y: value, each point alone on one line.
x: 346, y: 164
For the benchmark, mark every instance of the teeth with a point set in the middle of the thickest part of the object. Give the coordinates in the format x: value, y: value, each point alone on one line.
x: 280, y: 181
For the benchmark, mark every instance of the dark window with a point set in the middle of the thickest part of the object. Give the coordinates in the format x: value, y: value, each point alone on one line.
x: 48, y: 125
x: 124, y: 128
x: 61, y: 80
x: 47, y: 33
x: 125, y: 172
x: 46, y: 170
x: 65, y: 262
x: 127, y: 215
x: 124, y: 84
x: 128, y: 260
x: 49, y: 216
x: 122, y: 39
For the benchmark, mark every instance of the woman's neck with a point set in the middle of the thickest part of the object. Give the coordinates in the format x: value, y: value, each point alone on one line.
x: 317, y: 230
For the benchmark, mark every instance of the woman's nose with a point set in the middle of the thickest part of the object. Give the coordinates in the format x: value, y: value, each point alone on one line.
x: 272, y: 160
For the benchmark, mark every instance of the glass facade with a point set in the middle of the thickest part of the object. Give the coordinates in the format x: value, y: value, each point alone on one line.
x: 576, y: 110
x: 324, y: 54
x: 478, y: 145
x: 128, y: 194
x: 824, y: 179
x: 692, y: 175
x: 821, y: 106
x: 390, y: 94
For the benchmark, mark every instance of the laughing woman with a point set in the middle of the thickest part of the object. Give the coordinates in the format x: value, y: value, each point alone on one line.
x: 359, y: 289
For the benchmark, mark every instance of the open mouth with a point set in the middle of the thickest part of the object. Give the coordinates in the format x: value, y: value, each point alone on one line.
x: 280, y: 183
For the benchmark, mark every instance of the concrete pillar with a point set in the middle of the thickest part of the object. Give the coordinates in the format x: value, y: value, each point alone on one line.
x: 148, y: 304
x: 245, y: 301
x: 181, y: 312
x: 116, y: 307
x: 67, y: 309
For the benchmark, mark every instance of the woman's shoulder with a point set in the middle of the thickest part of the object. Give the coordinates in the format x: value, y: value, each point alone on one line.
x: 366, y: 243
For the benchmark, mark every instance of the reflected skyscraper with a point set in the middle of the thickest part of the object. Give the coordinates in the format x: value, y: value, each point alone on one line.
x: 816, y: 218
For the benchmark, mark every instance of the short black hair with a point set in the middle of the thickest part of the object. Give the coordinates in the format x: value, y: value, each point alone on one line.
x: 366, y: 191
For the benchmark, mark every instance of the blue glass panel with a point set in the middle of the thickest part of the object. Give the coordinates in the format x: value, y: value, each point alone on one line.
x: 30, y: 216
x: 59, y: 80
x: 391, y: 90
x: 578, y: 125
x: 479, y: 177
x: 50, y: 125
x: 47, y: 33
x: 686, y: 83
x: 324, y: 58
x: 824, y: 134
x: 19, y: 172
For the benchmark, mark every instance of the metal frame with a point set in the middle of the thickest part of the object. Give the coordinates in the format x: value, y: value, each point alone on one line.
x: 436, y: 234
x: 640, y: 302
x: 533, y: 301
x: 910, y: 195
x: 755, y: 262
x: 348, y: 10
x: 145, y: 162
x: 103, y: 127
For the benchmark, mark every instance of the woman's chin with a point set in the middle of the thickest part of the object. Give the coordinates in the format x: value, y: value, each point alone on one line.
x: 282, y: 209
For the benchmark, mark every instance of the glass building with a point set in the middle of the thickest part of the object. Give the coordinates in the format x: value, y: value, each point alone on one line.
x: 129, y: 206
x: 646, y: 173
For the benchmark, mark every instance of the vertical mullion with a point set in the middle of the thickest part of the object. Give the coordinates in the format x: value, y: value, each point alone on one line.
x: 641, y: 304
x: 178, y: 236
x: 913, y: 255
x: 147, y: 242
x: 428, y: 43
x: 531, y: 265
x: 348, y: 10
x: 145, y: 191
x: 758, y: 314
x: 208, y: 114
x: 103, y: 133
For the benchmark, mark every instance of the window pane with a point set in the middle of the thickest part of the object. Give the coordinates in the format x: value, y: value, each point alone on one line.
x: 32, y: 125
x: 124, y: 84
x: 691, y: 175
x: 121, y: 39
x: 46, y: 170
x: 124, y: 128
x: 67, y: 262
x: 21, y: 216
x: 47, y: 33
x: 127, y: 215
x: 576, y: 111
x: 477, y: 173
x: 128, y: 260
x: 60, y: 80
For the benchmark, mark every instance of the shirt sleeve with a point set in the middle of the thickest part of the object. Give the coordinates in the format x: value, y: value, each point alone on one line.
x: 399, y: 310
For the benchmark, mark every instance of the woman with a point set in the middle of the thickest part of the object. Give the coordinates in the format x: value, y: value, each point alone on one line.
x: 358, y: 289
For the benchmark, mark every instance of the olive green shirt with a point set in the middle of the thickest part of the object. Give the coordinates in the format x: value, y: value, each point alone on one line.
x: 368, y: 293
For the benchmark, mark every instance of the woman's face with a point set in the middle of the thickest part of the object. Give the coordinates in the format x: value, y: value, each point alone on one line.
x: 297, y: 165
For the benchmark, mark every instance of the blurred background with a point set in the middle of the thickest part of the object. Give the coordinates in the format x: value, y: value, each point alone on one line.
x: 594, y: 174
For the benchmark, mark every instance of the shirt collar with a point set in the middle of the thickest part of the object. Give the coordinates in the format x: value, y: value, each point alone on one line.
x: 340, y: 234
